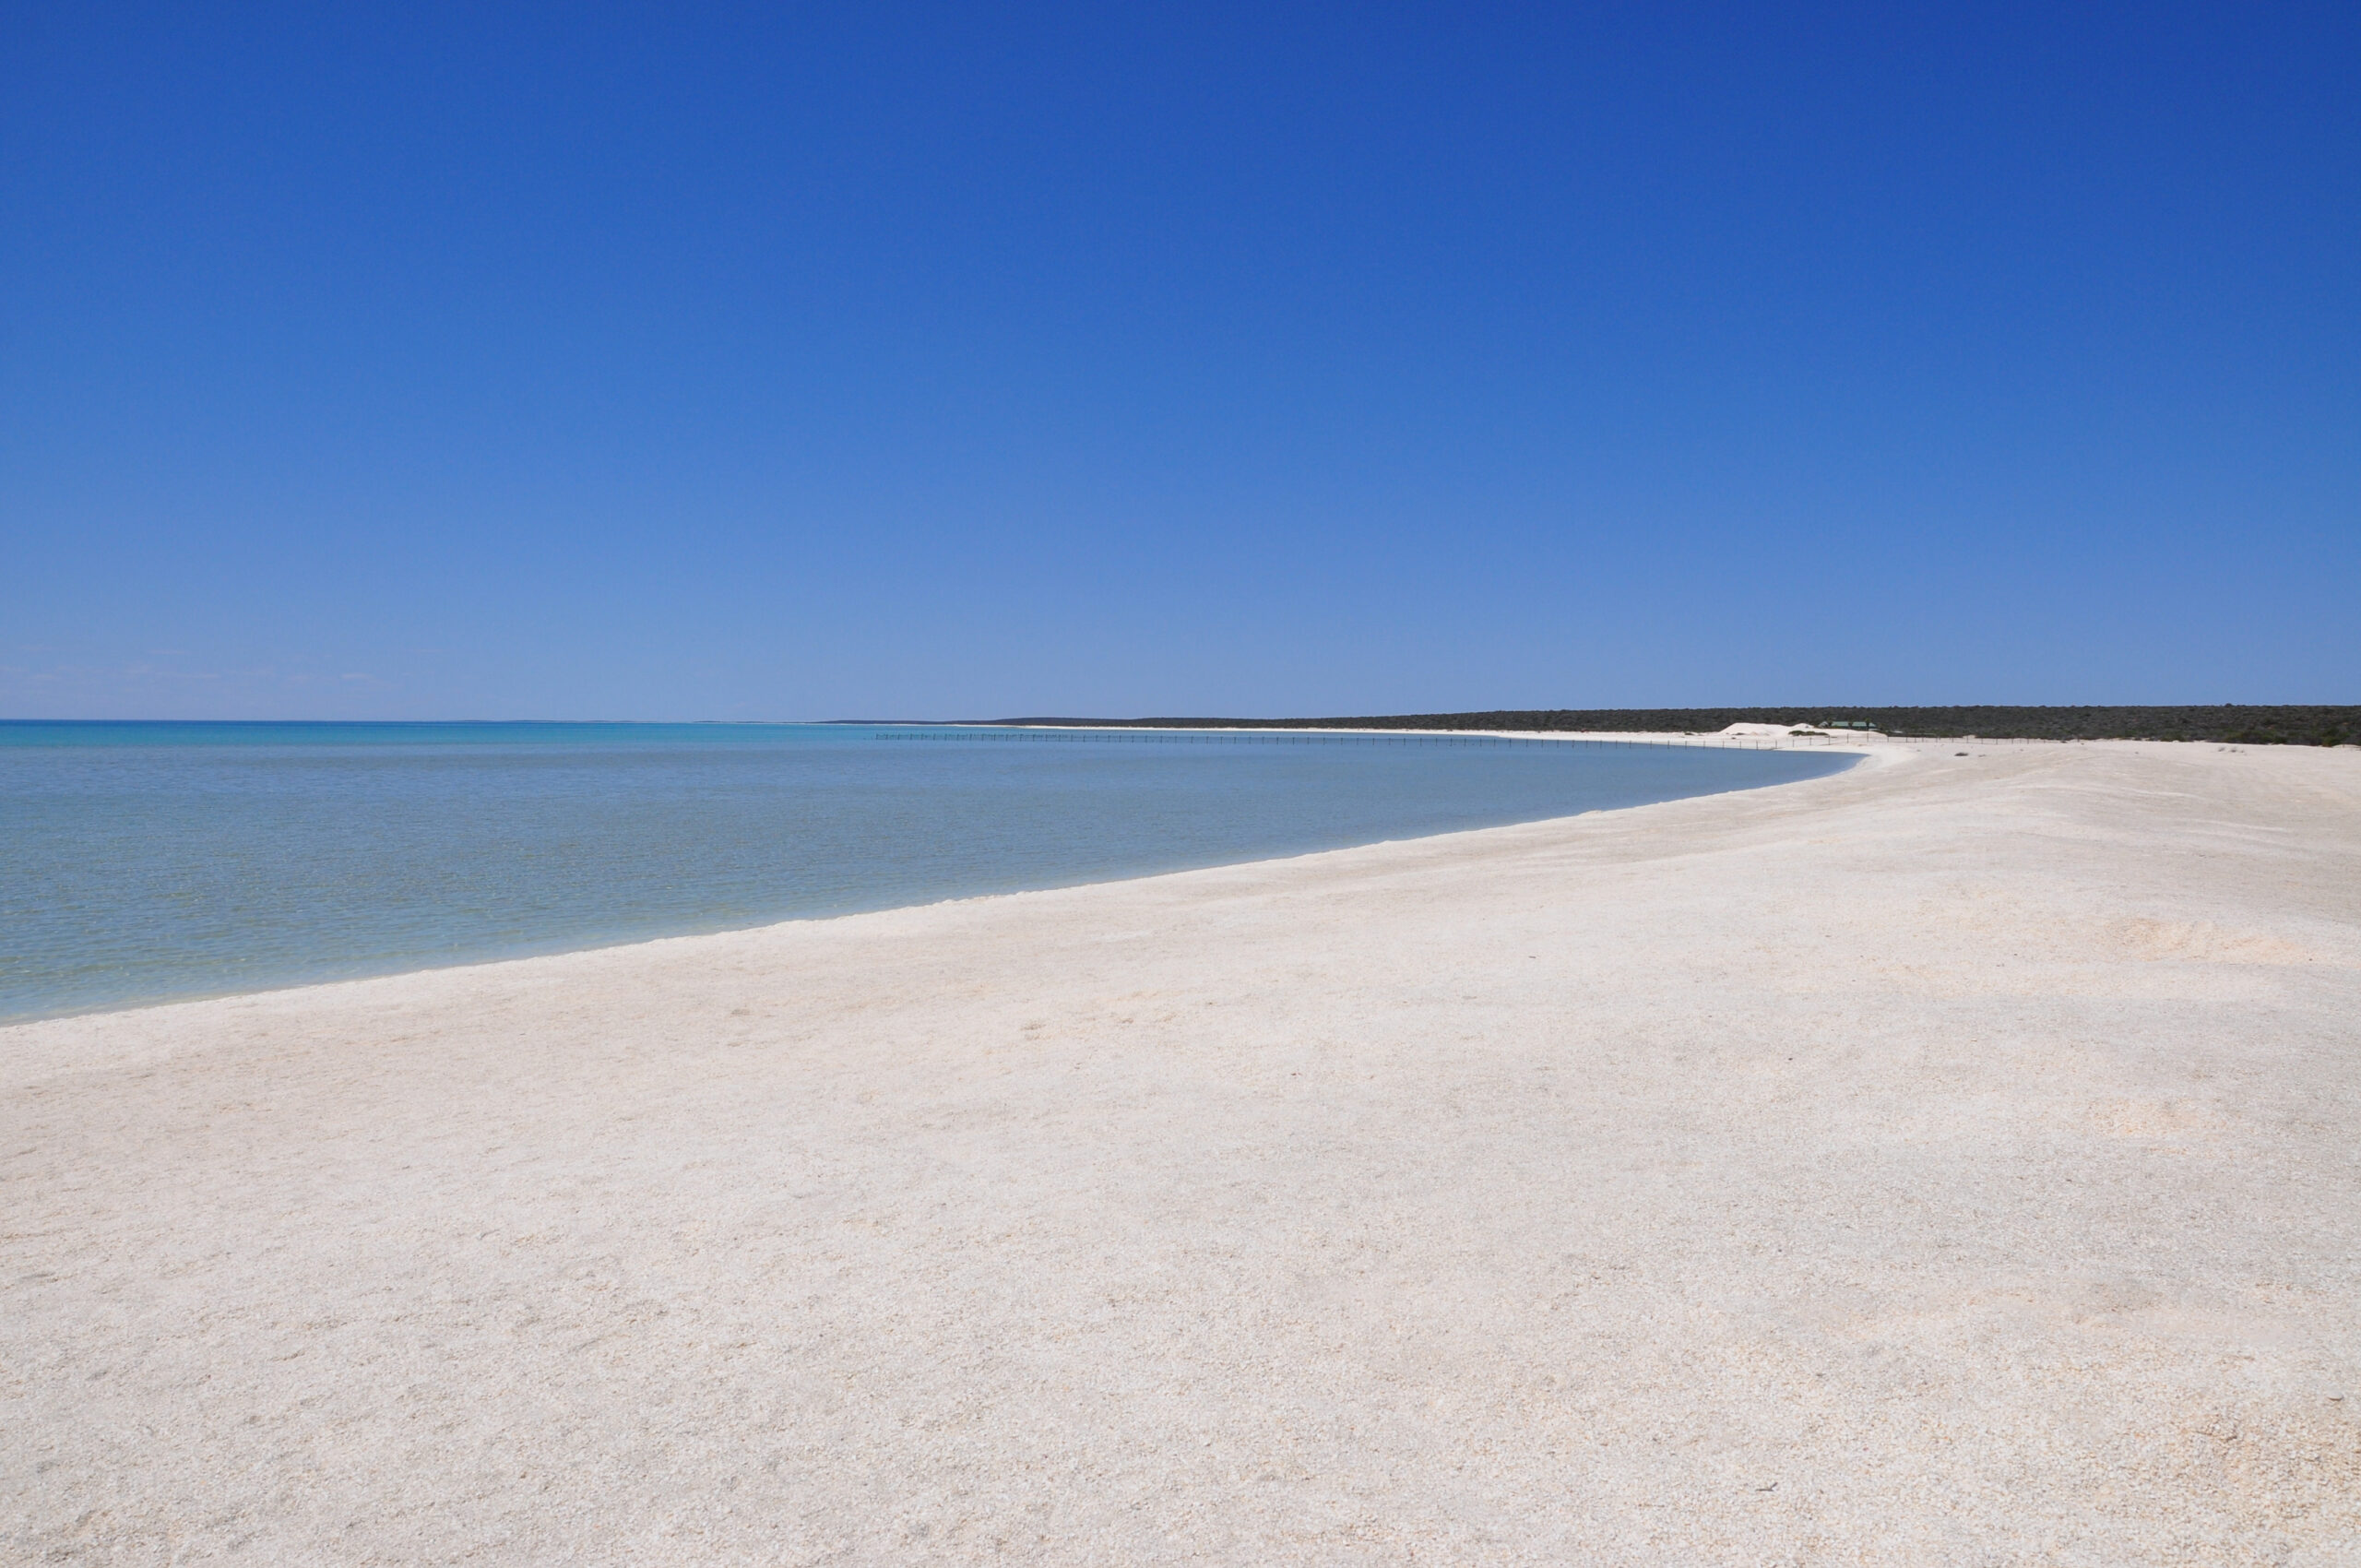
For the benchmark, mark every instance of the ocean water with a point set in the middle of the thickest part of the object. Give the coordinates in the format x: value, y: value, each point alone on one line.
x: 143, y: 863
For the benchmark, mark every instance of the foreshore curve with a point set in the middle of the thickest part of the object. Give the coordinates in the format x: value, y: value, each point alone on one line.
x: 1947, y: 1159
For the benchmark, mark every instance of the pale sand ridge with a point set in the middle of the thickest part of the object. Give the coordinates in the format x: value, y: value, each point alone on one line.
x: 1957, y: 1160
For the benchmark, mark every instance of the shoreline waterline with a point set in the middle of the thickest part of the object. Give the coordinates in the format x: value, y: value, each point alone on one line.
x: 181, y: 866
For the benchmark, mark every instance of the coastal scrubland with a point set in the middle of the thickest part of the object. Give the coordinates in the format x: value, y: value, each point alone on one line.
x: 2243, y: 724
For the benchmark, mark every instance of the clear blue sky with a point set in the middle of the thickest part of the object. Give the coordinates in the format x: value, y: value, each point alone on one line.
x: 695, y: 362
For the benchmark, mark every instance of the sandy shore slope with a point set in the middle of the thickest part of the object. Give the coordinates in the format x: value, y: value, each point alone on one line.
x: 1954, y: 1161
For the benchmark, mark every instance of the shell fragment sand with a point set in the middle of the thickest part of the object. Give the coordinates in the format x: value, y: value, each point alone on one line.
x: 1951, y: 1161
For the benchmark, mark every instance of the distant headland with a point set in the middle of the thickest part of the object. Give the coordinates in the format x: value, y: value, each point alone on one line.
x: 2238, y: 723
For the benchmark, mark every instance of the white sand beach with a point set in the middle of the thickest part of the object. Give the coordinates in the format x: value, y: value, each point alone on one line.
x: 1954, y: 1161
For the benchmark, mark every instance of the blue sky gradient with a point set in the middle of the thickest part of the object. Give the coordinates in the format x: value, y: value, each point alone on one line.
x: 602, y: 362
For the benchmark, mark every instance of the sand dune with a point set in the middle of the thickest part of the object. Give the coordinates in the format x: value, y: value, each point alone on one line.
x: 1953, y: 1161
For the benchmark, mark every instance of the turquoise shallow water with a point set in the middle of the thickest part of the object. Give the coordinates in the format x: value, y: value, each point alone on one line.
x: 144, y: 862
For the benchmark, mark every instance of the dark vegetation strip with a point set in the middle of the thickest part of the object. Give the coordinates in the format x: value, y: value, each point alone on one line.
x: 2241, y: 723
